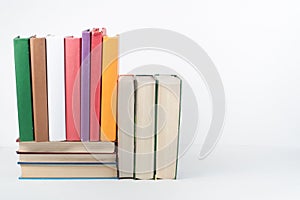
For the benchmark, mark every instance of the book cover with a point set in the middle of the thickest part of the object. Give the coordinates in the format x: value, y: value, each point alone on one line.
x: 23, y: 87
x: 72, y: 84
x: 144, y: 136
x: 95, y: 88
x: 109, y: 88
x: 39, y: 88
x: 85, y: 85
x: 125, y: 123
x: 56, y: 88
x: 168, y: 102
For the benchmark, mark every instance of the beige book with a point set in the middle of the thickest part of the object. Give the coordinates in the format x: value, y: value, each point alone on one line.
x: 167, y: 123
x: 144, y: 127
x: 125, y: 126
x: 68, y: 171
x: 66, y: 147
x: 104, y: 158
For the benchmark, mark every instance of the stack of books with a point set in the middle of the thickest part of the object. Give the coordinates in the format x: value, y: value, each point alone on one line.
x: 78, y: 118
x: 67, y: 159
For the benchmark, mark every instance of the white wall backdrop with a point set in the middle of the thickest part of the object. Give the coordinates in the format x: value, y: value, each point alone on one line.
x: 254, y: 44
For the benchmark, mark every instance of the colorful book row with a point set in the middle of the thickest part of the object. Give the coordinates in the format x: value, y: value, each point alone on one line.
x: 66, y: 87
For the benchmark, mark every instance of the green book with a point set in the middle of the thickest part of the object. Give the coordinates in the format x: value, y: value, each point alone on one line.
x: 23, y: 83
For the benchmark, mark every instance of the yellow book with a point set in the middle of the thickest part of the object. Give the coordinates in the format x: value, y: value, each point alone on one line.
x: 109, y: 88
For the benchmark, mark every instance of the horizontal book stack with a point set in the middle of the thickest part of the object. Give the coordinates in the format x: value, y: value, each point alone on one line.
x: 79, y: 119
x: 67, y: 159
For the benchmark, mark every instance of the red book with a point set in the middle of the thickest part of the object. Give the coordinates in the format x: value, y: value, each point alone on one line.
x: 72, y: 84
x: 95, y: 84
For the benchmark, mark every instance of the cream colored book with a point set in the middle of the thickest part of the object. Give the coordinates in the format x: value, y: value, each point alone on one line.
x: 144, y: 127
x: 68, y: 171
x: 62, y: 158
x: 125, y: 121
x: 167, y: 125
x: 66, y: 147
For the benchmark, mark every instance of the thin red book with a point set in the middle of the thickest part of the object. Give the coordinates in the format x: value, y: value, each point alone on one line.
x: 95, y: 84
x: 72, y: 84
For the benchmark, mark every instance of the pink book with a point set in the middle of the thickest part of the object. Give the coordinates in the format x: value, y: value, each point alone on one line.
x: 95, y: 84
x: 72, y: 87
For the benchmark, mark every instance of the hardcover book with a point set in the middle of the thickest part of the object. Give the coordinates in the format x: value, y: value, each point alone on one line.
x: 109, y: 88
x: 85, y: 85
x: 56, y: 88
x: 168, y: 102
x: 125, y: 123
x: 39, y: 88
x: 23, y: 84
x: 95, y: 88
x: 67, y: 158
x: 66, y: 147
x: 72, y: 70
x: 69, y: 171
x: 144, y: 127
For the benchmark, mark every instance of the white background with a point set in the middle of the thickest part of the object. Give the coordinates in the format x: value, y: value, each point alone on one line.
x: 255, y: 46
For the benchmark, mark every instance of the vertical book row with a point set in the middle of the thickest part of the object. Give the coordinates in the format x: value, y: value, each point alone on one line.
x: 148, y: 126
x: 66, y: 87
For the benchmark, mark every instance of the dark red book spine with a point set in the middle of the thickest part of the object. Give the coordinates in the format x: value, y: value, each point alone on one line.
x: 95, y: 84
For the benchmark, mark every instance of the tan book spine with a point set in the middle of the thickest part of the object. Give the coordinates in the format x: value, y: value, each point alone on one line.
x: 39, y: 88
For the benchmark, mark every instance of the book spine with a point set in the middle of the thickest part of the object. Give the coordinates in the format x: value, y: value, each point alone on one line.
x: 125, y: 131
x: 179, y: 124
x: 39, y: 88
x: 145, y: 123
x: 85, y: 86
x: 109, y: 88
x: 96, y: 64
x: 72, y: 87
x: 168, y: 122
x: 23, y: 88
x: 56, y: 88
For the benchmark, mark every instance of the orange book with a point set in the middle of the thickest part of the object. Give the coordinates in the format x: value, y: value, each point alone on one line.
x: 72, y: 86
x: 109, y: 88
